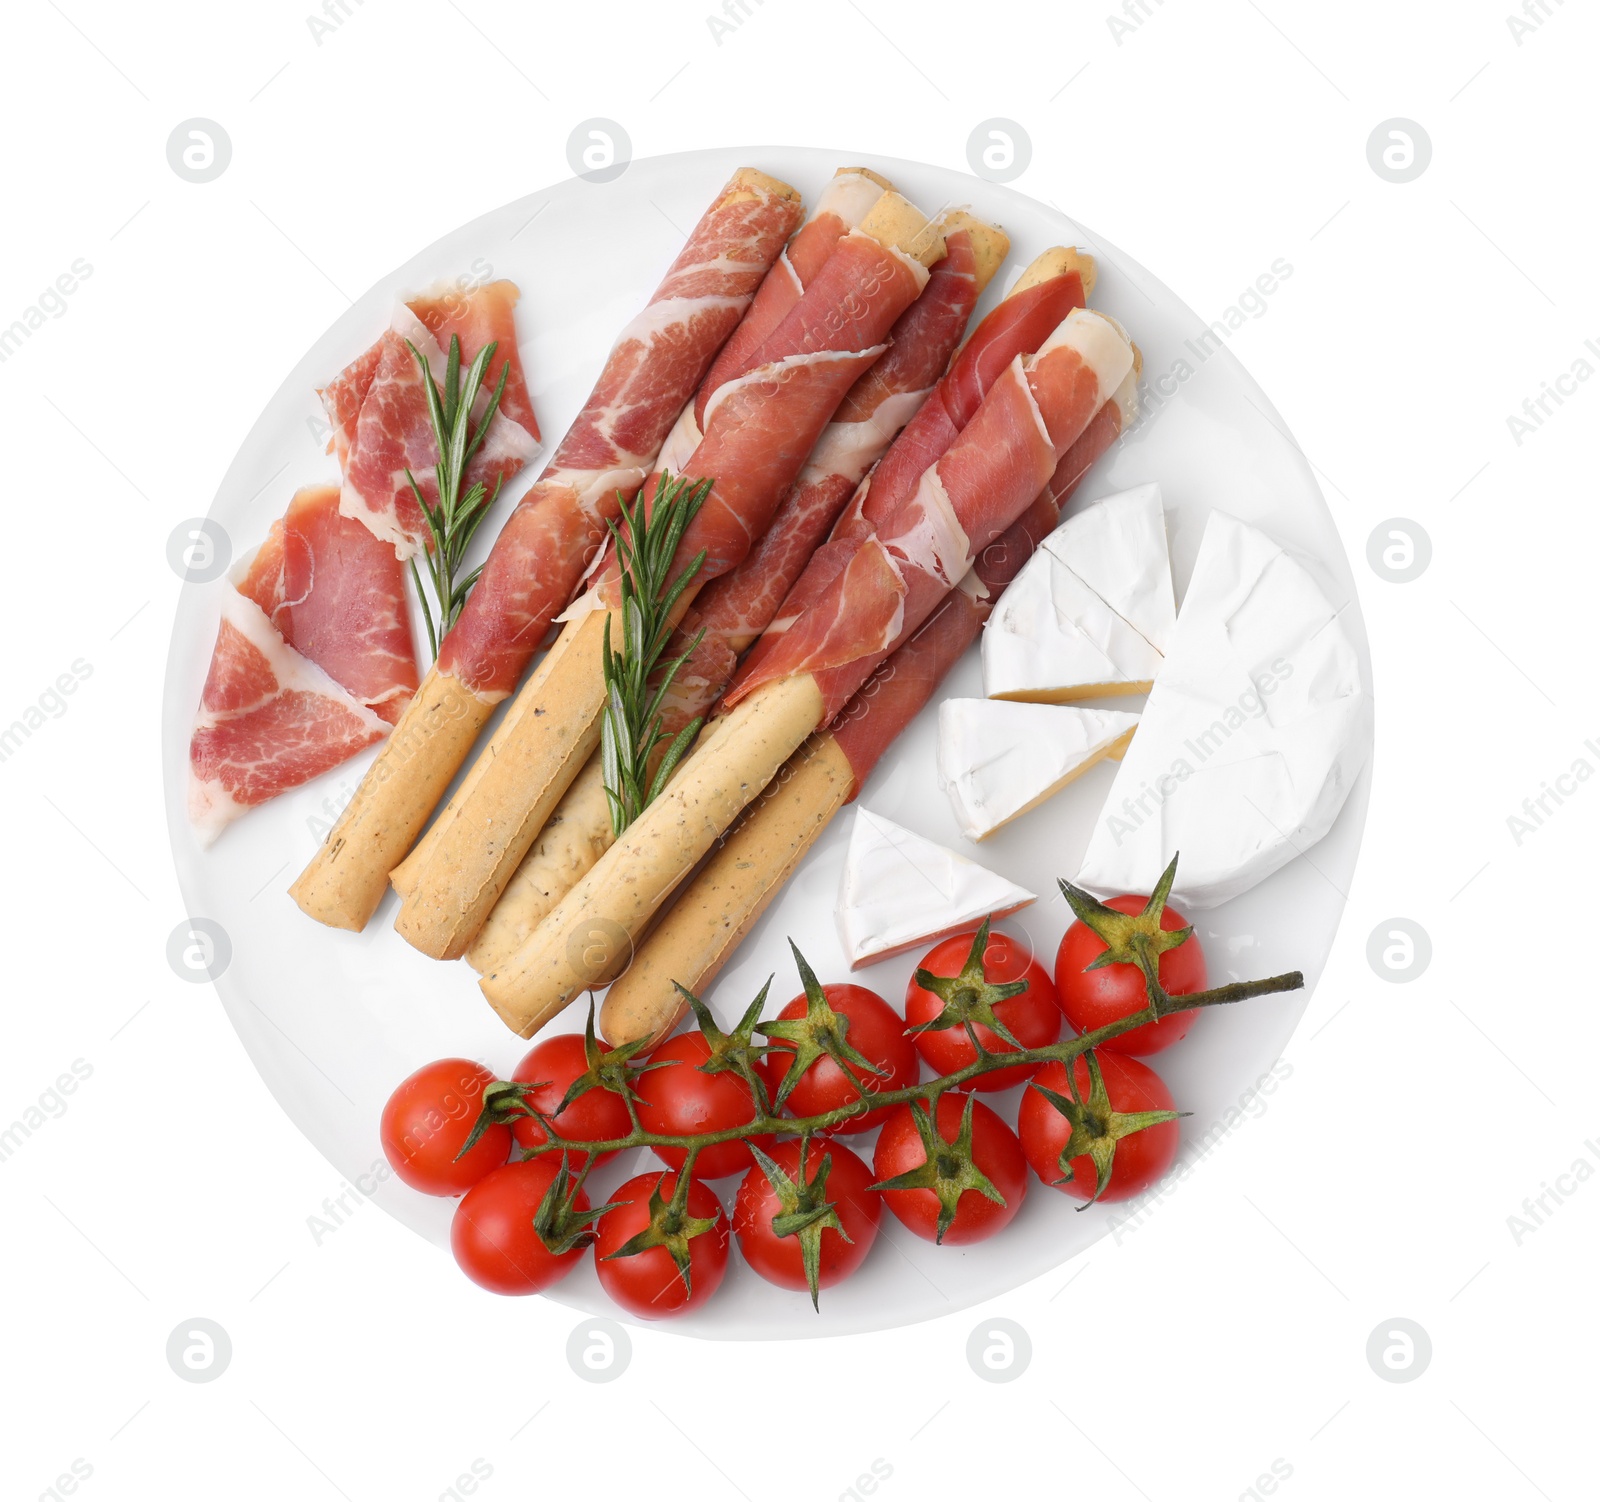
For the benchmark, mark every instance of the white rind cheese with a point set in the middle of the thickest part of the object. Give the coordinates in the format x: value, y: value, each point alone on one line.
x: 1091, y: 613
x: 997, y: 760
x: 900, y: 890
x: 1255, y: 730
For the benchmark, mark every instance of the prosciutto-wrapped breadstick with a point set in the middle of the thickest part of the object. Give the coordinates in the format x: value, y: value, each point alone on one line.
x: 890, y: 586
x: 759, y: 429
x: 732, y: 610
x: 726, y: 897
x: 540, y: 554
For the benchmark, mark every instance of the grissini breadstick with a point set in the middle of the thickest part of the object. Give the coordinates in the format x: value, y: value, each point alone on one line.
x: 540, y: 554
x: 759, y: 429
x: 727, y: 896
x: 984, y: 481
x: 843, y: 204
x: 732, y: 610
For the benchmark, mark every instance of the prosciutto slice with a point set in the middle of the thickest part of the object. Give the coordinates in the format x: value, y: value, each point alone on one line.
x: 761, y: 426
x: 1016, y: 326
x: 313, y: 662
x: 733, y: 610
x: 842, y: 206
x: 908, y: 678
x: 651, y: 372
x: 1004, y: 457
x: 378, y: 409
x: 337, y: 596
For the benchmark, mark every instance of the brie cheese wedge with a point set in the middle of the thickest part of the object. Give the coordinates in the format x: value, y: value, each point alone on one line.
x: 900, y: 890
x: 997, y: 760
x: 1091, y: 612
x: 1255, y: 730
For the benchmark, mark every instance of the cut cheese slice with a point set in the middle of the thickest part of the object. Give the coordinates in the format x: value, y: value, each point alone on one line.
x: 998, y: 760
x: 1091, y: 613
x: 900, y: 890
x: 1255, y: 730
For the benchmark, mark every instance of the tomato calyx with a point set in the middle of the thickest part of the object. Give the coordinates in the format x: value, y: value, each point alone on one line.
x: 561, y: 1225
x: 1131, y: 938
x: 502, y: 1103
x: 821, y: 1031
x: 949, y: 1169
x: 736, y: 1052
x: 671, y: 1226
x: 612, y: 1070
x: 805, y: 1211
x: 1096, y: 1127
x: 969, y: 997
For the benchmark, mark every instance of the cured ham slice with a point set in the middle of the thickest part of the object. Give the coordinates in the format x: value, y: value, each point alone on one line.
x: 378, y: 408
x: 1051, y: 287
x: 269, y: 721
x: 313, y: 662
x: 337, y: 596
x: 844, y: 203
x: 540, y: 554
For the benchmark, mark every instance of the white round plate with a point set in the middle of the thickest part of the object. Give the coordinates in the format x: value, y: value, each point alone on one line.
x: 334, y: 1020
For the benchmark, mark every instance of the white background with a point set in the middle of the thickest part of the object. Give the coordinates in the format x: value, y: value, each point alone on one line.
x: 1179, y: 1360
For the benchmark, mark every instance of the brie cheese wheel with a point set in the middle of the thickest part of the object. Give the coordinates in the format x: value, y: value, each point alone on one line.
x: 1091, y: 612
x: 1256, y: 729
x: 997, y: 759
x: 900, y: 890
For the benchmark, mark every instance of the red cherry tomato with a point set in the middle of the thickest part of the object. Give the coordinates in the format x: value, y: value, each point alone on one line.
x: 995, y: 1152
x: 648, y: 1283
x: 592, y: 1117
x: 779, y: 1259
x: 1142, y: 1158
x: 493, y: 1237
x: 427, y: 1119
x: 1033, y: 1016
x: 1092, y: 998
x: 678, y: 1099
x: 877, y: 1031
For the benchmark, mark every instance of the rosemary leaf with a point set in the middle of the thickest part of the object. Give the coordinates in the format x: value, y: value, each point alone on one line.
x: 631, y: 733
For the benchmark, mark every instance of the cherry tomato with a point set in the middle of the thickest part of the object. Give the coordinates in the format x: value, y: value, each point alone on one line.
x: 493, y: 1237
x: 1141, y: 1158
x: 678, y: 1099
x: 1092, y: 998
x: 875, y: 1030
x: 779, y: 1259
x: 1033, y: 1015
x: 427, y: 1119
x: 592, y: 1117
x: 995, y: 1153
x: 648, y: 1283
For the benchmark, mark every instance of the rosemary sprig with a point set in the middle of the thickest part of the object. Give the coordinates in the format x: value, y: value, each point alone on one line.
x: 636, y: 679
x: 452, y: 523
